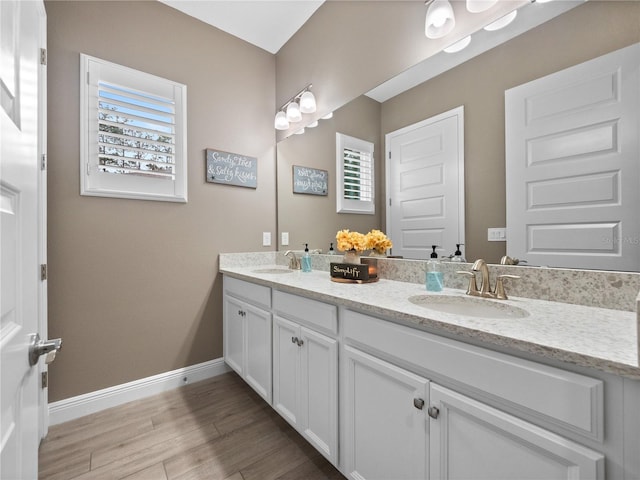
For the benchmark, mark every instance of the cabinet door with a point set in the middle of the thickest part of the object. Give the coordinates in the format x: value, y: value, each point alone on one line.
x: 286, y: 375
x: 385, y: 420
x: 319, y: 391
x: 472, y: 440
x: 257, y: 366
x: 233, y: 326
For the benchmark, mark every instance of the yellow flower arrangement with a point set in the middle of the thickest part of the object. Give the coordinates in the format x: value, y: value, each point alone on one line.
x: 378, y: 241
x: 375, y: 240
x: 351, y: 241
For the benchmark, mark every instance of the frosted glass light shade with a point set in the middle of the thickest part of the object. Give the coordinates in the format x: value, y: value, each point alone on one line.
x: 293, y: 112
x: 313, y: 124
x: 459, y: 45
x: 501, y: 22
x: 477, y: 6
x: 307, y: 102
x: 327, y: 116
x: 440, y: 19
x: 281, y: 122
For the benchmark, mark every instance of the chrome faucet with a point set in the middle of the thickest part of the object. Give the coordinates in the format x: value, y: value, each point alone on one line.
x: 294, y: 262
x: 485, y: 283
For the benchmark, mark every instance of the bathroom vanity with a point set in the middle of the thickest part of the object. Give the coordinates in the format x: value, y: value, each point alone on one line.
x: 385, y: 387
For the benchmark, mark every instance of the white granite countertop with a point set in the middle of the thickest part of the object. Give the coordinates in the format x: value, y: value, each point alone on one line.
x: 598, y: 338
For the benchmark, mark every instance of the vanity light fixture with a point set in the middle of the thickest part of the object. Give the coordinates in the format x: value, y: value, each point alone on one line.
x: 299, y: 132
x: 459, y: 45
x: 281, y: 122
x: 501, y: 22
x: 477, y: 6
x: 291, y: 112
x: 440, y: 19
x: 313, y: 124
x: 327, y: 116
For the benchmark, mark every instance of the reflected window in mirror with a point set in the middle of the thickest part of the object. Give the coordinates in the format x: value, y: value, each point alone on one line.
x: 354, y: 175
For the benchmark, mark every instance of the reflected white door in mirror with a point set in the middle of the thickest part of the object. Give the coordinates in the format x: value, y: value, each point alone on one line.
x: 425, y: 185
x: 572, y: 168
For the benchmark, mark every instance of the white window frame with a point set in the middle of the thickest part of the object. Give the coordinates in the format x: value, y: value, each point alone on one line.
x: 104, y: 184
x: 344, y: 205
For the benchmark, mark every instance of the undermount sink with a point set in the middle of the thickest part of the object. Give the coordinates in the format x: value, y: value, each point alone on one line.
x: 272, y: 270
x: 468, y: 306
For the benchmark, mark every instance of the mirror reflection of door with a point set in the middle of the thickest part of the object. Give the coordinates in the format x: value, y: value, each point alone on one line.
x: 572, y: 165
x: 425, y: 186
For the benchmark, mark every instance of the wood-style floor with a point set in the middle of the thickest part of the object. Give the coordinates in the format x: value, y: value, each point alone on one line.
x: 215, y: 429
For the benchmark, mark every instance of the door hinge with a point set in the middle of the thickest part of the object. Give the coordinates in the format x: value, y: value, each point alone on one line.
x: 43, y: 56
x: 43, y: 162
x: 44, y: 383
x: 43, y: 271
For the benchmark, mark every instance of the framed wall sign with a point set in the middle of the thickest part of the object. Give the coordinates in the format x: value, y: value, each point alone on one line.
x: 310, y: 180
x: 232, y: 169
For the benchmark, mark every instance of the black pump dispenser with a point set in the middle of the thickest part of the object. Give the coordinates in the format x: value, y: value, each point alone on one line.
x: 331, y: 250
x: 457, y: 252
x: 306, y: 247
x: 434, y: 254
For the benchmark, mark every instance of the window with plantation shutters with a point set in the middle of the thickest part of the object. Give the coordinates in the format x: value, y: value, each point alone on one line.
x: 355, y: 175
x: 133, y: 133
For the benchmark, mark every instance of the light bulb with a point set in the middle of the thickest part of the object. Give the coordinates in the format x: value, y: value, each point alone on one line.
x: 281, y: 122
x: 293, y: 112
x: 307, y: 102
x: 440, y: 19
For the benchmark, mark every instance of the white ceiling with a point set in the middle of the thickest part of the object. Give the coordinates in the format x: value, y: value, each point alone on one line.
x: 268, y: 24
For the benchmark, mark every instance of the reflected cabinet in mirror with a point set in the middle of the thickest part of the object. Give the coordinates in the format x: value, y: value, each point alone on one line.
x: 588, y: 31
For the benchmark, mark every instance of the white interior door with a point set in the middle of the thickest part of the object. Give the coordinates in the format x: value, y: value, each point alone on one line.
x: 572, y: 169
x: 22, y: 34
x: 425, y: 185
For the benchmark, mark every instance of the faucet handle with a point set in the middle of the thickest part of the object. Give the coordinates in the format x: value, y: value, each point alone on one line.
x: 473, y: 286
x: 500, y: 293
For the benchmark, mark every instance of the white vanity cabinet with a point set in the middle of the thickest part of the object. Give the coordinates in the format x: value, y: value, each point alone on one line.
x: 400, y: 423
x: 247, y: 333
x: 305, y: 369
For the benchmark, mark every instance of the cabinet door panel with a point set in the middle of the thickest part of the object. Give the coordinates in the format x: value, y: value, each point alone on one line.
x: 472, y: 440
x: 258, y: 351
x: 386, y: 434
x: 233, y: 334
x: 286, y: 375
x: 319, y: 391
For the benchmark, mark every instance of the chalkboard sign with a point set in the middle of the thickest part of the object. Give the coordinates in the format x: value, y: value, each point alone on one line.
x: 232, y: 169
x: 310, y: 180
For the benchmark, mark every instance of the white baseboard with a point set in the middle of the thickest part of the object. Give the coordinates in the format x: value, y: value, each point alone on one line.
x: 76, y: 407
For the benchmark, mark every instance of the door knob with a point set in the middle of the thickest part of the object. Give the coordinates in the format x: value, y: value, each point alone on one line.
x: 39, y: 347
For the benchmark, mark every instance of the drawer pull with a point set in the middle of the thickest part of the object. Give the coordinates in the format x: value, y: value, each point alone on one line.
x: 418, y: 403
x: 297, y: 341
x: 433, y: 412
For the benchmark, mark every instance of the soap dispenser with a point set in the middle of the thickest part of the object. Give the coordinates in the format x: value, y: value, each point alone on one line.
x: 435, y: 278
x: 305, y: 261
x: 331, y: 250
x: 457, y: 255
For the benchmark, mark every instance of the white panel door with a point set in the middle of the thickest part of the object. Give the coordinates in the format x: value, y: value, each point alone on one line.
x: 286, y: 369
x: 319, y: 391
x: 257, y: 349
x: 386, y: 434
x: 234, y: 334
x: 21, y: 37
x: 425, y: 185
x: 470, y: 440
x: 572, y: 165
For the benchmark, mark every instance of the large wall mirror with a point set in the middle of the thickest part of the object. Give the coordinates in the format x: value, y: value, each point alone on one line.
x: 579, y: 34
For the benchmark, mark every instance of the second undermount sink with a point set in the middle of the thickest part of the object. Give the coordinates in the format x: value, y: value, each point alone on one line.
x: 469, y: 306
x: 272, y: 270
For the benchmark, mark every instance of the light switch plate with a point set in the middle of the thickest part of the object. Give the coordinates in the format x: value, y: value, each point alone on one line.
x: 266, y: 239
x: 285, y: 238
x: 497, y: 234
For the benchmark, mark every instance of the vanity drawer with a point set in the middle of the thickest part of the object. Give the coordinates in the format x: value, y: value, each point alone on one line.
x: 258, y: 295
x: 568, y: 400
x: 318, y: 315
